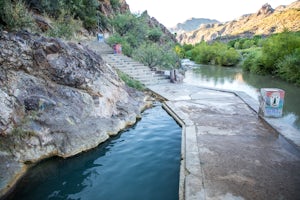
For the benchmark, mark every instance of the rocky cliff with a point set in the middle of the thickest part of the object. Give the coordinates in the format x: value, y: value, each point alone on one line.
x: 264, y: 22
x: 56, y: 99
x: 108, y: 10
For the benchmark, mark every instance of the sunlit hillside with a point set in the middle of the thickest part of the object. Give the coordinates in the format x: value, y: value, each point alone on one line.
x: 264, y: 22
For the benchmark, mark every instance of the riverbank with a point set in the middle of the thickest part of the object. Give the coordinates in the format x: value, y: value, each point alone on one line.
x: 227, y: 150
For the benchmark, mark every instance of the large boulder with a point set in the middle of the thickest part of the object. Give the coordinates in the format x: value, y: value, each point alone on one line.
x: 57, y: 99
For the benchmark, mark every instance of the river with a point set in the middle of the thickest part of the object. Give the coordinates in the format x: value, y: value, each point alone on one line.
x: 234, y: 78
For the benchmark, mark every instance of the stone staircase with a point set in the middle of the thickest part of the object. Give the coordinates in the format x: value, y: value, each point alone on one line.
x: 127, y: 65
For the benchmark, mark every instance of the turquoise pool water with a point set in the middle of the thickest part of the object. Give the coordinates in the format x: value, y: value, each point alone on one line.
x: 141, y: 163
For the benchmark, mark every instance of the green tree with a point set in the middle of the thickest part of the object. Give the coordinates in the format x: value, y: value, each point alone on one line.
x: 277, y: 47
x: 253, y: 62
x: 187, y: 47
x: 149, y: 54
x: 248, y: 44
x: 229, y: 57
x: 154, y: 34
x: 202, y: 53
x: 216, y: 53
x: 289, y: 68
x: 154, y: 55
x: 123, y: 23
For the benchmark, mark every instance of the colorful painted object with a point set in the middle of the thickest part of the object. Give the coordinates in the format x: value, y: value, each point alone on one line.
x: 271, y: 102
x: 117, y: 48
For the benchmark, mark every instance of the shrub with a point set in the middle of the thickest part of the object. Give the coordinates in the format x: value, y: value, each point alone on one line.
x: 216, y: 53
x: 228, y: 57
x: 15, y: 16
x: 149, y: 54
x: 279, y: 56
x: 248, y: 44
x: 170, y: 59
x: 184, y: 51
x: 65, y: 26
x: 244, y: 43
x: 277, y: 47
x: 289, y: 68
x: 253, y: 63
x: 154, y: 35
x: 154, y: 55
x: 179, y: 51
x: 115, y: 4
x: 51, y: 8
x: 84, y: 10
x: 134, y: 28
x: 123, y: 23
x: 202, y: 53
x: 130, y: 81
x: 142, y: 42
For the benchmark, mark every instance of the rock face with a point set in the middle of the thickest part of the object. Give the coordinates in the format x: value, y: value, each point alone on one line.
x: 264, y: 22
x: 56, y: 99
x: 106, y: 7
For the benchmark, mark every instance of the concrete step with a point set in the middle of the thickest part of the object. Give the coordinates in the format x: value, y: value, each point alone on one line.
x: 127, y: 65
x: 131, y: 68
x: 116, y: 61
x: 157, y: 82
x: 147, y: 78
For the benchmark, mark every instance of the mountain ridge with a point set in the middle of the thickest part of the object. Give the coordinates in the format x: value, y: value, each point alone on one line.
x: 191, y: 24
x: 265, y: 21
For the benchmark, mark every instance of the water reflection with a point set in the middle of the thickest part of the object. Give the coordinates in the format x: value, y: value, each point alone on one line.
x: 236, y: 79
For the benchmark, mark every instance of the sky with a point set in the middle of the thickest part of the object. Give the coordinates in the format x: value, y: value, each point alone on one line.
x: 172, y: 12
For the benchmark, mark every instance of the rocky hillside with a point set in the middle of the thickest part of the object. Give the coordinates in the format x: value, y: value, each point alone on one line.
x: 108, y: 9
x: 154, y: 23
x: 56, y: 99
x: 191, y: 25
x: 264, y: 22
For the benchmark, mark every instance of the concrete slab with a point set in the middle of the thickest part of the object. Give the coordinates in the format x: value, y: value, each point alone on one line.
x: 228, y: 151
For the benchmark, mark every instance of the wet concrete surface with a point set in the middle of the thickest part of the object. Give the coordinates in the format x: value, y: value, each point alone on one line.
x: 228, y: 151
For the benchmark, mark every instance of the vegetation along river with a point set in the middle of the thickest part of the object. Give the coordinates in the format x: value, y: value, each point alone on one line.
x: 140, y: 163
x: 234, y: 78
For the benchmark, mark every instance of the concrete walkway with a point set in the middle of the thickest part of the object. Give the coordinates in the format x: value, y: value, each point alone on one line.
x: 228, y: 152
